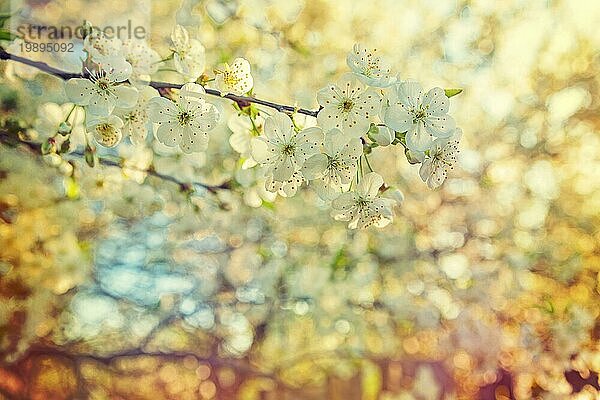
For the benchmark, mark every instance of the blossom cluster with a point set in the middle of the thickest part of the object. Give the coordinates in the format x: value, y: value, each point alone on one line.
x: 368, y: 107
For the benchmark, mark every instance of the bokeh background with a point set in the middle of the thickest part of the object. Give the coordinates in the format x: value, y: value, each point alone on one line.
x: 115, y: 285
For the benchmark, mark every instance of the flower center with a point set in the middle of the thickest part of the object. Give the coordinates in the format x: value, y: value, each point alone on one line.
x: 103, y: 83
x: 347, y: 105
x: 419, y: 115
x: 362, y: 203
x: 288, y: 149
x: 230, y: 79
x: 104, y: 129
x: 184, y: 118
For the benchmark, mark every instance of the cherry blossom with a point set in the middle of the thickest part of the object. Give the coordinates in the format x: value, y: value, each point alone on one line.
x: 422, y: 117
x: 184, y: 123
x: 106, y: 130
x: 348, y: 106
x: 370, y: 69
x: 236, y: 78
x: 282, y: 148
x: 188, y: 54
x: 334, y: 168
x: 363, y: 207
x: 441, y: 158
x: 102, y: 91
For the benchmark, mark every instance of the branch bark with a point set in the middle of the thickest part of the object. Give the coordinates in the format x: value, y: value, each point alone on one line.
x: 64, y: 75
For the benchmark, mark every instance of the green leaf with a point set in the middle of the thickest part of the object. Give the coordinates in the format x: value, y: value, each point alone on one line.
x: 5, y: 34
x: 452, y: 92
x: 4, y: 17
x: 90, y: 159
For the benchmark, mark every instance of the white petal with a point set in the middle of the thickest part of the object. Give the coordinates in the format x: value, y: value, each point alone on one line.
x: 192, y: 90
x: 355, y: 125
x: 418, y: 139
x: 308, y: 142
x: 193, y: 140
x: 384, y: 136
x: 284, y: 169
x: 426, y: 169
x: 329, y: 118
x: 180, y: 36
x: 344, y: 202
x: 440, y: 126
x: 80, y: 90
x: 398, y: 118
x: 169, y: 133
x: 100, y: 104
x: 127, y: 96
x: 437, y: 101
x: 263, y: 152
x: 279, y: 128
x: 329, y: 96
x: 161, y: 110
x: 315, y: 166
x: 369, y: 185
x: 410, y: 93
x: 326, y: 189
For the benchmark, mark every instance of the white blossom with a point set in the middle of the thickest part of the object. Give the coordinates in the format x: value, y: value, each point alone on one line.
x: 383, y: 136
x: 441, y: 158
x: 243, y: 131
x: 106, y: 130
x: 102, y: 91
x: 369, y: 68
x: 348, y: 106
x: 236, y: 79
x: 188, y: 54
x: 334, y: 168
x: 103, y: 50
x: 421, y: 116
x: 184, y: 123
x: 135, y: 119
x: 363, y: 207
x: 283, y: 149
x: 143, y: 59
x: 51, y: 116
x: 287, y: 188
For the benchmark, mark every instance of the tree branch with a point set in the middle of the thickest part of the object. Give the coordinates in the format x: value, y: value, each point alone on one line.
x: 35, y: 147
x: 42, y: 66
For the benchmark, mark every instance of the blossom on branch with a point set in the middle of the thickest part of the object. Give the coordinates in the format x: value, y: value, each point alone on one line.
x: 184, y: 123
x: 363, y: 207
x: 369, y: 68
x: 102, y: 91
x: 422, y: 117
x: 348, y: 106
x: 335, y: 167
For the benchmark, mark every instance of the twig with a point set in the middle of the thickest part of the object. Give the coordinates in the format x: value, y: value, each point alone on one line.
x: 42, y: 66
x: 35, y: 147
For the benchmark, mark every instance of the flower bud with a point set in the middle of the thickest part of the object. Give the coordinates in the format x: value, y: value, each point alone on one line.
x: 49, y: 146
x: 65, y: 128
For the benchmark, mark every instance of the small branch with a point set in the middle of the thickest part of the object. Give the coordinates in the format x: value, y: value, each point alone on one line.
x: 35, y: 147
x: 4, y: 55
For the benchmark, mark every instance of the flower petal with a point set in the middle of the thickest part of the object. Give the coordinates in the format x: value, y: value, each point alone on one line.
x: 436, y: 101
x: 80, y: 90
x: 162, y: 110
x: 369, y: 185
x: 169, y: 133
x: 127, y: 96
x: 193, y: 140
x: 314, y: 167
x: 398, y: 118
